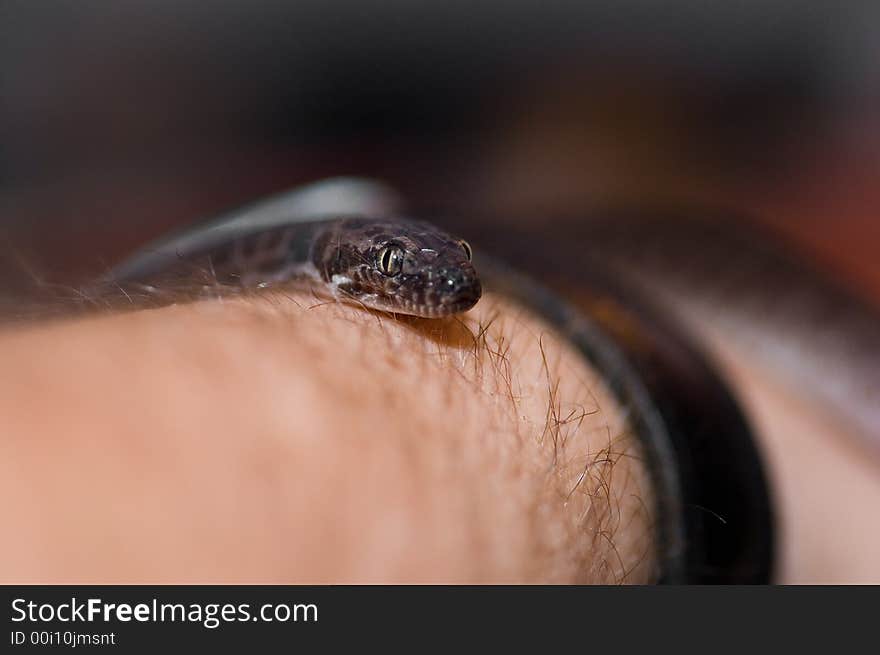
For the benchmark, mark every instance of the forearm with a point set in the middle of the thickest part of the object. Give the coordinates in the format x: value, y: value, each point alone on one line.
x: 271, y: 440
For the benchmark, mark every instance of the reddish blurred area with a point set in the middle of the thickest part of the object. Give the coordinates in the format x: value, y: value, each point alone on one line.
x: 831, y: 210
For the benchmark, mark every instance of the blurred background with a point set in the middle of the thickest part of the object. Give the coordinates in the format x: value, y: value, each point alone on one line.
x: 119, y: 120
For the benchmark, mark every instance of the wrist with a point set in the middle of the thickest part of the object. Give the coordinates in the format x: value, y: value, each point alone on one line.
x: 267, y: 439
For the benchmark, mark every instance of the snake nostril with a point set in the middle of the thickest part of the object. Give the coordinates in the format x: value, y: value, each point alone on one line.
x: 457, y: 284
x: 450, y: 278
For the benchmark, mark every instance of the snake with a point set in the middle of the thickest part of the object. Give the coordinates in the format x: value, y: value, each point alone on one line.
x: 325, y: 236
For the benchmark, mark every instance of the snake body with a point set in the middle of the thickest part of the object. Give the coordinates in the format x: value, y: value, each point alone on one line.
x: 395, y: 265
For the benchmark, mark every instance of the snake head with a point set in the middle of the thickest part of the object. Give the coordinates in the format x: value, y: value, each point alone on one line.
x: 405, y: 267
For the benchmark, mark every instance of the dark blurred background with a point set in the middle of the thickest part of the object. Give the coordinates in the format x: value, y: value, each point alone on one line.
x: 119, y: 120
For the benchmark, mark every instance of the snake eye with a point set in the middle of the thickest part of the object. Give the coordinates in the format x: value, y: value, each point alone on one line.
x: 390, y: 260
x: 468, y: 252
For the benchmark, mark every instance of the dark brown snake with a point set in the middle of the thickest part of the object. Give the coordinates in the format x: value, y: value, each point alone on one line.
x: 395, y: 265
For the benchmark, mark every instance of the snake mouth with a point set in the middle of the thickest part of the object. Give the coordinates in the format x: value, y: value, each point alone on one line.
x: 447, y: 306
x: 445, y: 309
x: 410, y: 308
x: 451, y: 304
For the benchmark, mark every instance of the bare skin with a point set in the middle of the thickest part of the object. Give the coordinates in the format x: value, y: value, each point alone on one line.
x: 270, y: 439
